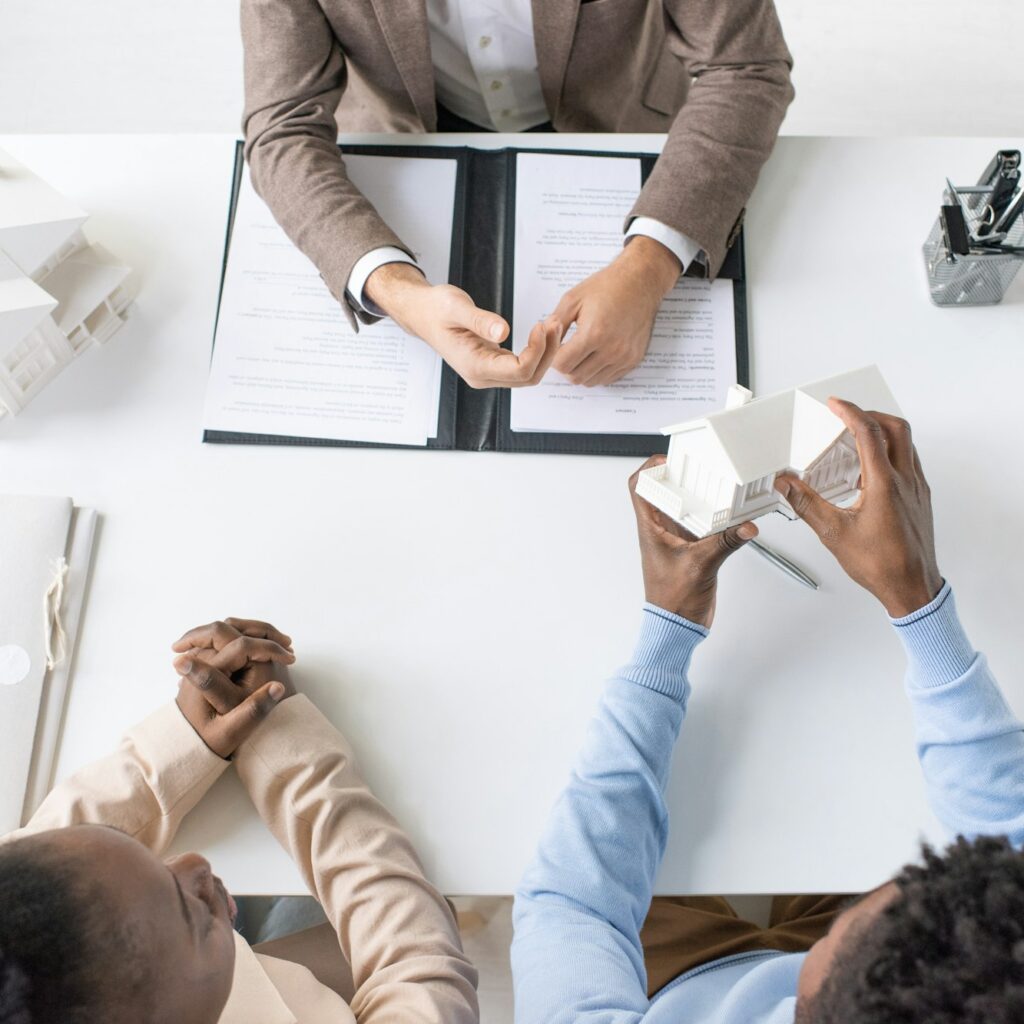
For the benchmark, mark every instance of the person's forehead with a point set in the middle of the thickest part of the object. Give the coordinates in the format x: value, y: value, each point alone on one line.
x: 110, y: 852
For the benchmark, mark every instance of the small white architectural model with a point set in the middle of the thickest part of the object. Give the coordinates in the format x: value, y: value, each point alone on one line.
x: 58, y: 293
x: 721, y: 469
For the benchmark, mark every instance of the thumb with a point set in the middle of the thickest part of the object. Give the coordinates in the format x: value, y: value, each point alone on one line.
x: 483, y: 324
x: 716, y: 549
x: 567, y: 310
x: 238, y: 725
x: 819, y: 514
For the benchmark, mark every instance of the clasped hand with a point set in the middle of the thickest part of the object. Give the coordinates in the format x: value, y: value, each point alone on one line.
x: 233, y: 674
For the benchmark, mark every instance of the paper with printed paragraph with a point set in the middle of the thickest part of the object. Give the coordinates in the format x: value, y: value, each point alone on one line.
x: 569, y: 216
x: 286, y: 362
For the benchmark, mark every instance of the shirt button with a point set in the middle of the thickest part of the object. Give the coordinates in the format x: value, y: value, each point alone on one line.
x: 495, y: 85
x: 485, y: 41
x: 505, y: 113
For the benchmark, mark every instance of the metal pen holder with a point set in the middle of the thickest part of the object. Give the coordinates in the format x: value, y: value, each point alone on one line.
x: 975, y: 279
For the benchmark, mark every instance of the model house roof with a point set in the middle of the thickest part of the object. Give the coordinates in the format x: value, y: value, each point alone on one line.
x: 787, y: 430
x: 35, y: 219
x: 80, y: 283
x: 23, y: 304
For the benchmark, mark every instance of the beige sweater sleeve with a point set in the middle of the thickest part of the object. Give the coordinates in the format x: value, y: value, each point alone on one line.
x: 156, y: 776
x: 396, y: 930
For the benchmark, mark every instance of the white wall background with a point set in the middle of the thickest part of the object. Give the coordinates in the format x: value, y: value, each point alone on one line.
x: 863, y: 67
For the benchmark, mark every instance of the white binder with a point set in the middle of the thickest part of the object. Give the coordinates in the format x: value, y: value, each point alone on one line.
x: 45, y: 552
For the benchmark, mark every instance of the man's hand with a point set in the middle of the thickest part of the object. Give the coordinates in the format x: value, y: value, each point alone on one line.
x: 466, y: 337
x: 680, y: 571
x: 614, y: 313
x: 886, y: 540
x: 233, y: 675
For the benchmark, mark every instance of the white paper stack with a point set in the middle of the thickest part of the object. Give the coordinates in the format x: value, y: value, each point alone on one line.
x: 38, y: 537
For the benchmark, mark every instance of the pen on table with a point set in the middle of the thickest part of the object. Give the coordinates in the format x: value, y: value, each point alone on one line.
x: 783, y: 563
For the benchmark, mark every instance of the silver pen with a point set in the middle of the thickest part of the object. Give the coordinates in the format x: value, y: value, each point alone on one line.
x: 784, y: 564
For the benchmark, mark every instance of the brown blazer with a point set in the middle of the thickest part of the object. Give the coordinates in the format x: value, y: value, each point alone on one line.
x: 605, y: 65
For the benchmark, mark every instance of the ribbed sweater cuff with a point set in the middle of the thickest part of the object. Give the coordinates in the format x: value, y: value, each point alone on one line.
x: 935, y: 642
x: 663, y: 651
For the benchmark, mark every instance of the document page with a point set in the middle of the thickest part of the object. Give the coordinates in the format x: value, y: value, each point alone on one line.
x: 570, y: 212
x: 286, y: 362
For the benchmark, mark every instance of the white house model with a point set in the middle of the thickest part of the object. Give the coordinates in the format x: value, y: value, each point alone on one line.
x: 721, y: 469
x: 58, y: 293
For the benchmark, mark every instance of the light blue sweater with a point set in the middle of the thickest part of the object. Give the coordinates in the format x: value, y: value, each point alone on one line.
x: 576, y: 956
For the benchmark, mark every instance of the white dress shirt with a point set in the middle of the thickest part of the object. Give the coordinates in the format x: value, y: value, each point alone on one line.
x: 485, y: 71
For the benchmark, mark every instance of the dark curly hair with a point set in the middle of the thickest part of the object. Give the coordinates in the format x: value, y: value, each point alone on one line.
x: 62, y: 959
x: 948, y: 950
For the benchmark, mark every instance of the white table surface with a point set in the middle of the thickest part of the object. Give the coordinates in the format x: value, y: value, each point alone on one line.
x: 456, y: 613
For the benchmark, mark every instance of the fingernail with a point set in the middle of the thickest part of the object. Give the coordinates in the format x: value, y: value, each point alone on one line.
x: 276, y: 691
x: 782, y: 486
x: 183, y: 665
x: 496, y: 331
x: 746, y: 531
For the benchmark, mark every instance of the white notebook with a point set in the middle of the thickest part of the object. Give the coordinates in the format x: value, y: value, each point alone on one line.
x: 43, y: 542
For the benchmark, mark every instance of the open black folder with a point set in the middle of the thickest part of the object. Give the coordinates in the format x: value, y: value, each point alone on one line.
x: 482, y: 257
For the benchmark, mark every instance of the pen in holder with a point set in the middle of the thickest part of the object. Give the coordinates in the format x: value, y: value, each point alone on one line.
x: 976, y: 245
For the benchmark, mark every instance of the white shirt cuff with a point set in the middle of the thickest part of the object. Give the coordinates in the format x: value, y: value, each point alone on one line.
x: 364, y: 267
x: 685, y: 249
